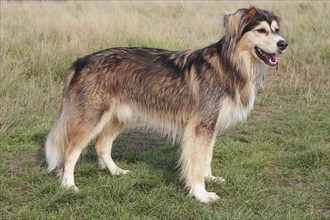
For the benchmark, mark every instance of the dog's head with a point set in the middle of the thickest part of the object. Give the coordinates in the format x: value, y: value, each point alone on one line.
x: 256, y: 31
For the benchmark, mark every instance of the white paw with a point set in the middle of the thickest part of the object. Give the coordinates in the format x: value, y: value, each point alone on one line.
x: 217, y: 179
x: 119, y: 171
x: 68, y: 183
x: 72, y: 187
x: 206, y: 197
x: 200, y: 194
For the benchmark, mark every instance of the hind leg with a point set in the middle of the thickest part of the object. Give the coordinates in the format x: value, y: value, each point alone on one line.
x: 104, y: 146
x: 80, y: 132
x: 71, y: 157
x: 68, y: 170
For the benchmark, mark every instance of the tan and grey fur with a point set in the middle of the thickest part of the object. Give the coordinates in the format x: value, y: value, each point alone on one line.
x: 191, y: 94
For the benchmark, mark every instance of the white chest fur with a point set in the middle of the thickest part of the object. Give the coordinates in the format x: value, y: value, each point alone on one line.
x: 232, y: 110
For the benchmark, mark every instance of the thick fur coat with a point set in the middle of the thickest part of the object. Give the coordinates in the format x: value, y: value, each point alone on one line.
x: 190, y: 94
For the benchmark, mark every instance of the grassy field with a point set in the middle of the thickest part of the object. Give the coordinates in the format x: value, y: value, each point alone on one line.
x: 276, y: 165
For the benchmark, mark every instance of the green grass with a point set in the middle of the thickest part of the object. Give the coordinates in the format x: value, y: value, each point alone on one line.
x: 276, y: 165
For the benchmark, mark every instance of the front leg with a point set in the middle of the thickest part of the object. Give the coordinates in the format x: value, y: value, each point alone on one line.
x: 195, y: 148
x: 208, y: 171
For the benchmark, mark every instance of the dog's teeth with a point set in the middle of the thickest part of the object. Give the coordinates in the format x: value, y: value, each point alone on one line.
x: 272, y: 62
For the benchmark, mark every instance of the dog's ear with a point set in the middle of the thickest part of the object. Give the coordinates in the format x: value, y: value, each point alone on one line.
x: 277, y: 17
x: 251, y: 13
x: 230, y: 21
x: 234, y: 24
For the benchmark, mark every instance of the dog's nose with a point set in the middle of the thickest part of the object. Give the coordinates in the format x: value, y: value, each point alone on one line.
x: 282, y: 44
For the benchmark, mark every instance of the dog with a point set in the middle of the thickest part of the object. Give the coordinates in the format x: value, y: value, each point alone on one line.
x: 190, y: 94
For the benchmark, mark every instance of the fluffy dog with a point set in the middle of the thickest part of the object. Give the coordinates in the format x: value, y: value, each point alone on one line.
x: 191, y: 94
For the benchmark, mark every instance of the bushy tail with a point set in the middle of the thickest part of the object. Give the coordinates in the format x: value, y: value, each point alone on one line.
x: 57, y: 141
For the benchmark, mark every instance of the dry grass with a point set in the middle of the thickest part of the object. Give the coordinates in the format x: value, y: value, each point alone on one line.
x: 39, y: 44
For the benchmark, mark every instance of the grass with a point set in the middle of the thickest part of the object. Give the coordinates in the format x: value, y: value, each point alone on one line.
x: 276, y: 165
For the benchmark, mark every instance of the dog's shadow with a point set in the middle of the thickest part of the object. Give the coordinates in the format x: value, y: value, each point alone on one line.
x: 133, y: 147
x: 142, y: 146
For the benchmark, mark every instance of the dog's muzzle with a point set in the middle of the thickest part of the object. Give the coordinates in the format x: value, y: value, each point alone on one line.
x: 282, y: 44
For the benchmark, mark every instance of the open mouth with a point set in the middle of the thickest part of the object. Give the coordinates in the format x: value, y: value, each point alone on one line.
x: 269, y: 59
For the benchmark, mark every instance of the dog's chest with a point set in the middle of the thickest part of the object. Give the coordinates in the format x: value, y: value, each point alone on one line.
x: 233, y: 110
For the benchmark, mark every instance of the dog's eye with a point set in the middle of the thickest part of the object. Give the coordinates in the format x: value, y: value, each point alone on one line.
x: 262, y: 30
x: 277, y: 30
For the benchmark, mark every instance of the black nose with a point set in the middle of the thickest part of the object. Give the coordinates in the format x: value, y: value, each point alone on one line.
x: 282, y: 44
